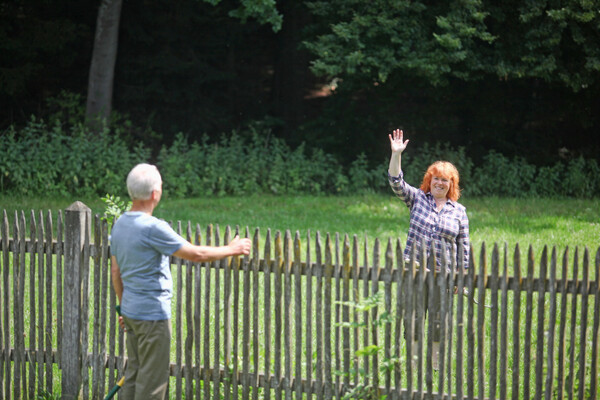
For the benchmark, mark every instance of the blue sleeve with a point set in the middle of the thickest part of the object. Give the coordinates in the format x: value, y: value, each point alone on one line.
x: 164, y: 239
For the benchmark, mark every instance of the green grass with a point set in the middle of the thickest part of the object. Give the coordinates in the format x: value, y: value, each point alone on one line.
x: 536, y: 222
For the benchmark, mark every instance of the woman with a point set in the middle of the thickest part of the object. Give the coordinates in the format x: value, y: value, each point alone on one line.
x: 437, y: 220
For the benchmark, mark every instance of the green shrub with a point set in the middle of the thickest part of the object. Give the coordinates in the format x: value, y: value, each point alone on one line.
x: 39, y: 159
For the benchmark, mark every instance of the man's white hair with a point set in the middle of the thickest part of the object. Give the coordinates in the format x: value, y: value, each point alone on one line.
x: 142, y: 180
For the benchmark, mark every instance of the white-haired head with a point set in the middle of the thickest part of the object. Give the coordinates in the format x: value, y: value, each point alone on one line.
x: 142, y: 180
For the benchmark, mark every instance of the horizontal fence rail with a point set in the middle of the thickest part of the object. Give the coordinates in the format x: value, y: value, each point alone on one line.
x: 301, y: 317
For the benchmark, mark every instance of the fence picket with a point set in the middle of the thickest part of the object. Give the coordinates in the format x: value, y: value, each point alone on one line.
x: 178, y: 322
x: 346, y: 269
x: 189, y: 338
x: 595, y: 332
x: 255, y: 263
x: 540, y: 348
x: 319, y: 316
x: 528, y: 325
x: 562, y: 326
x: 481, y: 300
x: 570, y: 384
x: 18, y: 289
x: 5, y: 364
x: 470, y: 325
x: 34, y: 350
x: 517, y: 287
x: 268, y: 262
x: 551, y: 325
x: 503, y: 373
x: 327, y: 306
x: 247, y: 306
x: 287, y: 311
x: 197, y: 317
x: 387, y: 279
x: 309, y: 320
x: 494, y: 323
x: 585, y: 283
x: 216, y: 341
x: 278, y: 282
x: 206, y: 340
x: 297, y: 274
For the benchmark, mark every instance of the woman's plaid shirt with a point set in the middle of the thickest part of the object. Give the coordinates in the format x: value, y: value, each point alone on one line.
x: 446, y: 229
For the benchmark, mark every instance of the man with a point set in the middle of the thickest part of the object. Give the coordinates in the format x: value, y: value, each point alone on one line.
x: 141, y: 245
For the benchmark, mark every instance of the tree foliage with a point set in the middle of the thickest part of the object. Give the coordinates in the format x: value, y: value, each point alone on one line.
x: 464, y: 39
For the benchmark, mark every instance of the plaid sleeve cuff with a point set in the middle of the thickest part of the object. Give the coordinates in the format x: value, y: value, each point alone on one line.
x: 395, y: 179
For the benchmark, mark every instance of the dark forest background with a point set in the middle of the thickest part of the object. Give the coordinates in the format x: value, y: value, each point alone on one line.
x: 519, y: 78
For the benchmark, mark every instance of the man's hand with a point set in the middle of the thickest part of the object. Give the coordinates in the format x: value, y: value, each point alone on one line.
x: 240, y: 246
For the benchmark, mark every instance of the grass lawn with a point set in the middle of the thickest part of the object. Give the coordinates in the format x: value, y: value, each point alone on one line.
x: 537, y: 222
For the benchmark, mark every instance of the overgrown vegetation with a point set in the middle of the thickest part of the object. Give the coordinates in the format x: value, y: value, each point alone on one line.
x: 42, y: 159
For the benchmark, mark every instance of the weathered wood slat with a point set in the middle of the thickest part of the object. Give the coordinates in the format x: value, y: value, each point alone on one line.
x: 216, y: 342
x: 235, y: 351
x: 471, y: 326
x: 277, y: 302
x: 540, y: 348
x: 551, y: 326
x: 267, y: 309
x: 595, y: 333
x: 297, y: 274
x: 560, y: 368
x: 327, y: 318
x: 5, y: 367
x: 97, y: 363
x: 255, y: 262
x: 178, y: 320
x: 481, y: 321
x: 516, y: 353
x: 189, y: 338
x: 400, y: 277
x: 247, y: 340
x: 431, y: 292
x: 494, y: 286
x: 528, y: 325
x: 84, y: 316
x: 287, y: 314
x: 18, y: 289
x: 375, y: 271
x: 32, y: 301
x: 309, y: 331
x: 460, y: 323
x: 387, y: 279
x: 365, y: 284
x: 197, y: 318
x: 570, y: 383
x: 420, y: 320
x: 583, y: 324
x: 346, y: 355
x: 48, y: 332
x: 206, y: 340
x: 503, y: 356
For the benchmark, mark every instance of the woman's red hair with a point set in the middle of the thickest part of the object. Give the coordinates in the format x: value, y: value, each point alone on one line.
x: 446, y: 170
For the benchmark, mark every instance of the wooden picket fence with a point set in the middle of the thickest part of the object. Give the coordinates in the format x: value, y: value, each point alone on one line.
x: 323, y: 317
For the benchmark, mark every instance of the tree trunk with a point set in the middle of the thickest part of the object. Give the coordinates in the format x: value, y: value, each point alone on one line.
x: 102, y: 69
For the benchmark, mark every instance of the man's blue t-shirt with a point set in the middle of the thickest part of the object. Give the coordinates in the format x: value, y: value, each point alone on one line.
x: 142, y: 245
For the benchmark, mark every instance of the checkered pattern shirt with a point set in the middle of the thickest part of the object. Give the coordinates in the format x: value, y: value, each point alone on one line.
x: 444, y: 229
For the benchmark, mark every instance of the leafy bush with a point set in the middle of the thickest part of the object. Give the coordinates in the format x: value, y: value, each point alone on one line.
x: 42, y: 160
x: 39, y: 159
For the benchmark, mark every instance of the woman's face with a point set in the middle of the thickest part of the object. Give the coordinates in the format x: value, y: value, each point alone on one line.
x: 439, y: 187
